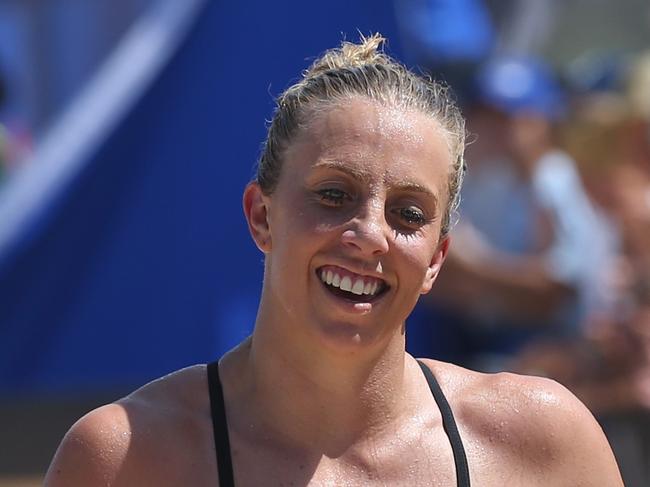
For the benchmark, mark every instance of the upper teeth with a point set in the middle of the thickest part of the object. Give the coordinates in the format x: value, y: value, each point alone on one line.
x: 345, y: 283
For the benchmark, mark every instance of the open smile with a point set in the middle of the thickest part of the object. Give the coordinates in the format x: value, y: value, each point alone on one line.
x: 351, y: 286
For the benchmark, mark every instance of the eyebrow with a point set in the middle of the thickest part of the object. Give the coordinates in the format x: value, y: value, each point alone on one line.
x: 345, y: 168
x: 363, y: 177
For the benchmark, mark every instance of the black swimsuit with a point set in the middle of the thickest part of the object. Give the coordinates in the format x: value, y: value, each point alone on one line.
x: 222, y: 443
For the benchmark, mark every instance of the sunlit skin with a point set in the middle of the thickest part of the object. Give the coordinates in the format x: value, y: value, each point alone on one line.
x: 362, y: 189
x: 323, y: 393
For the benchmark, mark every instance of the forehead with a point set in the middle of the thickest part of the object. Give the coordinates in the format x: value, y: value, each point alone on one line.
x: 374, y: 140
x: 354, y: 118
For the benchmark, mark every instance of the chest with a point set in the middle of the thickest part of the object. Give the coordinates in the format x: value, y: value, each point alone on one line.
x: 412, y: 459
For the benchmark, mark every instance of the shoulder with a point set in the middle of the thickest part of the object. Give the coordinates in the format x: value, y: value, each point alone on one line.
x: 93, y: 450
x: 123, y: 443
x: 532, y: 423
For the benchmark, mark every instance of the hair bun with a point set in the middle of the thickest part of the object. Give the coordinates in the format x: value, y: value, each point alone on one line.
x: 350, y: 55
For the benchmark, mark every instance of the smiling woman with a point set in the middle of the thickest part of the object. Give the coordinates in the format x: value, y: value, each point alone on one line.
x: 351, y: 207
x: 371, y: 183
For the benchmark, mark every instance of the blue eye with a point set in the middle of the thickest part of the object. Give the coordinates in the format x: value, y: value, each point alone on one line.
x: 333, y: 196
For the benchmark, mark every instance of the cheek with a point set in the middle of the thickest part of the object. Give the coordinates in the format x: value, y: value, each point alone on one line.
x: 297, y: 230
x: 416, y: 256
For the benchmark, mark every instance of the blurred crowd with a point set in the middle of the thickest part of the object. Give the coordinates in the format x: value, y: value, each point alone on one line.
x: 549, y: 267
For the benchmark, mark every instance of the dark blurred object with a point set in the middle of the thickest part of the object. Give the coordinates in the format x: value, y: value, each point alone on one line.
x: 439, y: 32
x: 446, y: 38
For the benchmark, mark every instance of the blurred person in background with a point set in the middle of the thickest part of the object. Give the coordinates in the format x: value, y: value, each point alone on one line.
x: 609, y: 367
x: 531, y: 254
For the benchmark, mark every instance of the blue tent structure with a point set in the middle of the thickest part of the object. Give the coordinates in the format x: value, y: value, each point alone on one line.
x: 134, y: 259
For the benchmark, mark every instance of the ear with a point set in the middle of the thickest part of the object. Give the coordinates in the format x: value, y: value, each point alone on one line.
x: 257, y: 215
x: 436, y: 263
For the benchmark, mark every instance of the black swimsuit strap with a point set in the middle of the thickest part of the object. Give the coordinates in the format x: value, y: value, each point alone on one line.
x: 449, y: 424
x: 220, y: 427
x: 222, y: 441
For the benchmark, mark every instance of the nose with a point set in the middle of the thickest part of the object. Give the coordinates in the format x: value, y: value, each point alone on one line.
x: 368, y: 232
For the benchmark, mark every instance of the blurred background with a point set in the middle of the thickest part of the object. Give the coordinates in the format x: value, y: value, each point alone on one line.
x: 129, y: 128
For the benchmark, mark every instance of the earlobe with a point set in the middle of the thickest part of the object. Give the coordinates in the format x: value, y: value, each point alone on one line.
x: 256, y: 212
x: 436, y: 263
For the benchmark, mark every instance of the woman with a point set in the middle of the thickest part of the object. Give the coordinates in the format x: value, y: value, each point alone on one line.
x: 351, y: 207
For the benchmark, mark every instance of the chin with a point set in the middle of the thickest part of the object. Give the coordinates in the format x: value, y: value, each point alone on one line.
x: 346, y: 338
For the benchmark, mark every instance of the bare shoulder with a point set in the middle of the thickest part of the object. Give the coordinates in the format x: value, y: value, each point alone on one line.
x: 128, y: 442
x: 531, y: 423
x: 93, y: 450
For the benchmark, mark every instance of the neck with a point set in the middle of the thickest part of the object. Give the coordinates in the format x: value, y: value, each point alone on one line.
x: 306, y: 395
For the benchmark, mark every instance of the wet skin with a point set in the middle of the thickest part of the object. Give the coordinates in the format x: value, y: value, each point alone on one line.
x: 324, y: 393
x: 362, y: 189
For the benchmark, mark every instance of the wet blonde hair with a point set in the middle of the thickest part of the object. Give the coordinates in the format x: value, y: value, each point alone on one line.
x: 362, y: 70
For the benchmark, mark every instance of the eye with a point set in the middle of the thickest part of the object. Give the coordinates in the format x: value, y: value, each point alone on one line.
x: 411, y: 216
x: 333, y: 196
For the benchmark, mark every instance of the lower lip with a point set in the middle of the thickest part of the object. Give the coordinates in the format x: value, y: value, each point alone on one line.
x: 359, y: 308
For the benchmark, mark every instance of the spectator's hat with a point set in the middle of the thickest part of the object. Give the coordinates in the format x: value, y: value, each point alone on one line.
x: 519, y: 85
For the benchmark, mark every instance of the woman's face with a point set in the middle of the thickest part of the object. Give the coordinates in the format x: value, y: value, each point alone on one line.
x: 352, y: 231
